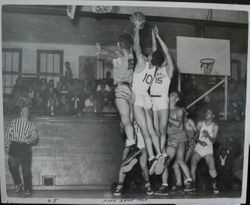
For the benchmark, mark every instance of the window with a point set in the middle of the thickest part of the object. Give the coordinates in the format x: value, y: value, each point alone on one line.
x: 12, y: 67
x: 50, y: 64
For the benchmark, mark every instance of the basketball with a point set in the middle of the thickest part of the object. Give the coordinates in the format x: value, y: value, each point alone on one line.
x: 140, y: 17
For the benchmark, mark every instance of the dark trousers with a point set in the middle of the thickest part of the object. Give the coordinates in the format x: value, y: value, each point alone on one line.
x: 20, y: 155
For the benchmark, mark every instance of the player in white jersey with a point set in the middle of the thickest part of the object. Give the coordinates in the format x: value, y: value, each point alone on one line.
x: 208, y: 131
x: 143, y: 164
x: 142, y: 79
x: 123, y: 67
x: 159, y: 91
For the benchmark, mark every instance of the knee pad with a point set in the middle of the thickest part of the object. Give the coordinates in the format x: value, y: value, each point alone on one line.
x: 213, y: 173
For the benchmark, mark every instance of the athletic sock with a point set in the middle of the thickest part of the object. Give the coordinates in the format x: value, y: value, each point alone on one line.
x: 164, y: 184
x: 158, y: 156
x: 187, y: 180
x: 130, y: 143
x: 151, y: 158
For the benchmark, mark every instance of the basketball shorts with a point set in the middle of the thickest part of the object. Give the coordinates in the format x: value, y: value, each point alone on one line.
x: 175, y: 139
x: 159, y: 102
x: 123, y: 90
x: 203, y: 151
x: 143, y: 100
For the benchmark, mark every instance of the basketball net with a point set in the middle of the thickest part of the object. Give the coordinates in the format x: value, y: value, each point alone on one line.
x: 101, y: 9
x: 207, y: 65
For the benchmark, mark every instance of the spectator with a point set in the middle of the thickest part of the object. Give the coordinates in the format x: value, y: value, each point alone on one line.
x: 90, y: 89
x: 43, y: 84
x: 49, y: 92
x: 53, y: 103
x: 108, y: 80
x: 102, y: 96
x: 59, y: 85
x: 102, y: 86
x: 68, y: 71
x: 37, y: 106
x: 109, y: 108
x: 90, y: 104
x: 20, y: 136
x: 19, y: 85
x: 31, y: 92
x: 63, y: 104
x: 76, y: 107
x: 36, y: 85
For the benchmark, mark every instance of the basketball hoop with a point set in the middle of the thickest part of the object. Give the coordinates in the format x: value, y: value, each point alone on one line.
x: 207, y: 65
x: 101, y: 9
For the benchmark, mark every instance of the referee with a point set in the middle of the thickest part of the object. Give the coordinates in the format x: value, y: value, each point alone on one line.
x: 19, y: 138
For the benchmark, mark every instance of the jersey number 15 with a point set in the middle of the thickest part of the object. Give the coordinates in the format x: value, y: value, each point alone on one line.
x: 158, y: 80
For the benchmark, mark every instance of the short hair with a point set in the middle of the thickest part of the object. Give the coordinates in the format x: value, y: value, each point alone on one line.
x: 125, y: 41
x: 211, y: 109
x: 24, y: 106
x: 157, y: 58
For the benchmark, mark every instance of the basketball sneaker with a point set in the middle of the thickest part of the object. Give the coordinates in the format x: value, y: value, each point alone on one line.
x: 27, y: 193
x: 132, y: 153
x: 118, y: 190
x: 189, y: 186
x: 163, y: 161
x: 215, y: 188
x: 129, y: 166
x: 163, y: 190
x: 18, y: 188
x: 148, y: 189
x: 177, y: 188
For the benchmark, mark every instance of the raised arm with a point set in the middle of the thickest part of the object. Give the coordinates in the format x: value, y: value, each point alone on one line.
x: 170, y: 67
x: 154, y: 45
x: 137, y: 47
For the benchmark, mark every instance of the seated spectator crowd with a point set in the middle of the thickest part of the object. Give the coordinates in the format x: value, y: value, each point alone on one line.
x: 68, y: 97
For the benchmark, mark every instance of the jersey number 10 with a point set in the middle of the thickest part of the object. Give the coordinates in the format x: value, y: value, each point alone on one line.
x: 147, y: 78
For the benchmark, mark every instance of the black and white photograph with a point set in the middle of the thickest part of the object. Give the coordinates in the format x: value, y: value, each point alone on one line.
x: 123, y: 102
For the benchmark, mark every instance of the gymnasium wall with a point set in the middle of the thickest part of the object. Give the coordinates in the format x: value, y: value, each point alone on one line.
x: 71, y: 53
x: 76, y: 152
x: 78, y: 37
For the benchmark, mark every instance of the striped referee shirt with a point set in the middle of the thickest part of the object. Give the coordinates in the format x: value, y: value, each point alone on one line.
x: 21, y: 131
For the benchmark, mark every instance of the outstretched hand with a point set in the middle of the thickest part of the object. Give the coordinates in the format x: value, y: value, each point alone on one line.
x: 156, y: 31
x: 135, y: 20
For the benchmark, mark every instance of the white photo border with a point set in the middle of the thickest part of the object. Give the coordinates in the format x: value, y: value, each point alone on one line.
x: 242, y: 199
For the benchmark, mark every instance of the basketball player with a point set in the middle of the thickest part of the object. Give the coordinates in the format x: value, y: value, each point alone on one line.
x: 208, y: 131
x: 191, y: 134
x: 143, y: 164
x: 175, y: 145
x: 159, y: 92
x: 142, y: 79
x: 123, y: 68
